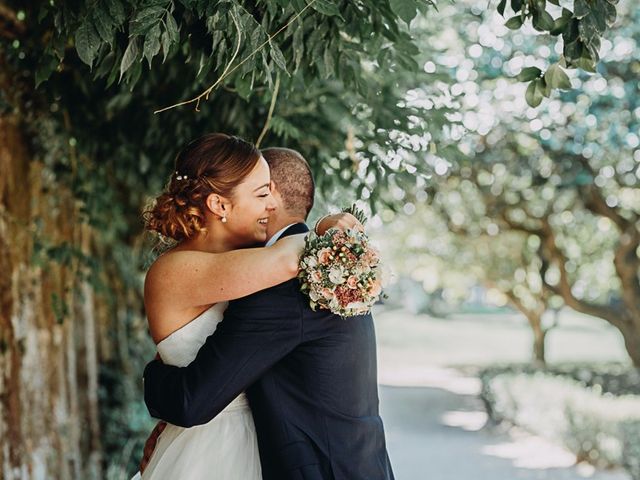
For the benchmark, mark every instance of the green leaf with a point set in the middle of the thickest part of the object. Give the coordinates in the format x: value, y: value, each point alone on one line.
x: 405, y: 9
x: 326, y: 7
x: 328, y: 62
x: 298, y: 46
x: 559, y: 25
x: 586, y: 63
x: 105, y: 66
x: 514, y: 23
x: 534, y: 93
x: 298, y: 4
x: 546, y: 88
x: 501, y: 6
x: 573, y: 51
x: 152, y: 44
x: 243, y: 86
x: 610, y: 13
x: 87, y: 43
x: 589, y: 29
x: 103, y: 24
x: 117, y: 12
x: 529, y: 73
x: 277, y: 56
x: 145, y: 19
x: 543, y: 21
x: 134, y: 75
x: 47, y: 66
x: 557, y: 78
x: 172, y: 28
x: 130, y: 56
x: 166, y: 45
x: 581, y: 9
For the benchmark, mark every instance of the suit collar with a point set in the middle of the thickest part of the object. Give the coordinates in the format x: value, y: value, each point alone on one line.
x: 295, y: 229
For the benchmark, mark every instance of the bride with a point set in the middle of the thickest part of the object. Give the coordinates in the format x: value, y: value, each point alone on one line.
x: 217, y: 203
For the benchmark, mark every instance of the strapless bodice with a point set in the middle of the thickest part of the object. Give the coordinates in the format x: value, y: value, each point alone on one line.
x: 181, y: 347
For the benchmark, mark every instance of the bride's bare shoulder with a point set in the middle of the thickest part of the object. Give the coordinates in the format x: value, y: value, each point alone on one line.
x: 166, y: 307
x: 167, y: 265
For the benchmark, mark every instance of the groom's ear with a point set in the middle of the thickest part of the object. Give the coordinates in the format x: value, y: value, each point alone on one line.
x: 217, y: 204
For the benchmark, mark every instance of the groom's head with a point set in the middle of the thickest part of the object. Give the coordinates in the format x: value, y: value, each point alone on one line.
x: 293, y: 187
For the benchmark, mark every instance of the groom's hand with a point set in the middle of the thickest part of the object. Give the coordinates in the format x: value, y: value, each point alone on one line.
x: 150, y: 445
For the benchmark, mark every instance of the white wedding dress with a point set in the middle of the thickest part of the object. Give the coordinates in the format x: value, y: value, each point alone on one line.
x: 226, y: 448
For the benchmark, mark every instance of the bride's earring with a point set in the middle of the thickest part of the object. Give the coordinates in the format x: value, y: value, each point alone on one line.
x: 224, y: 219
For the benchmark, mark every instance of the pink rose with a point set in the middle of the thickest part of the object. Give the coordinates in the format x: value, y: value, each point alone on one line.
x: 316, y: 276
x: 370, y: 257
x: 327, y: 293
x: 352, y: 282
x: 375, y: 289
x: 324, y: 256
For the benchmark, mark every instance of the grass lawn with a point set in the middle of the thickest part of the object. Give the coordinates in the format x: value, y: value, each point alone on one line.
x: 409, y: 344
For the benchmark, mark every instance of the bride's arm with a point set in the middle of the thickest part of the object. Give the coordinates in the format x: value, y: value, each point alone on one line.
x: 197, y: 278
x: 180, y: 284
x: 193, y: 278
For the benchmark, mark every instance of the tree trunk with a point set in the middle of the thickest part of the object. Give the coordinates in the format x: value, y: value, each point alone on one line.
x: 631, y: 336
x: 534, y: 318
x: 539, y: 352
x: 539, y: 338
x: 48, y: 360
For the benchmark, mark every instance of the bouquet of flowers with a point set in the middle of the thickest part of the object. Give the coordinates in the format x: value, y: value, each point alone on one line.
x: 340, y: 271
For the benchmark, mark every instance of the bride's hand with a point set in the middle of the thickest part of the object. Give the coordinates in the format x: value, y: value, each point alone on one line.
x: 150, y: 445
x: 342, y: 221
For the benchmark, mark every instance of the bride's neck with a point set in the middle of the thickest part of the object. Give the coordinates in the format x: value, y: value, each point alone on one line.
x: 209, y: 241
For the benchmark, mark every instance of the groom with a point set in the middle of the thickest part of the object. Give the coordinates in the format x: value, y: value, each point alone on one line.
x: 310, y: 376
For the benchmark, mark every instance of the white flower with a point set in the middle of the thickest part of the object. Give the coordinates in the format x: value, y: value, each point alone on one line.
x: 361, y: 270
x: 311, y: 262
x: 358, y: 308
x: 334, y: 305
x: 336, y: 275
x: 314, y: 295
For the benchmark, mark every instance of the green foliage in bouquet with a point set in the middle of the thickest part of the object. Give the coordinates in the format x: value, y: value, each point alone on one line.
x: 356, y: 212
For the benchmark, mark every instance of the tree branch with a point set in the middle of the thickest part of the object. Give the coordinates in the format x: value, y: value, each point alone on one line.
x: 550, y: 251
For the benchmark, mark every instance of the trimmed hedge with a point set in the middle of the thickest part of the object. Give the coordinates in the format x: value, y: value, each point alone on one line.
x: 597, y: 426
x: 614, y: 378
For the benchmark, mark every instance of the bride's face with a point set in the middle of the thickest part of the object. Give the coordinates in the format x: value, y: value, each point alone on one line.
x: 251, y: 206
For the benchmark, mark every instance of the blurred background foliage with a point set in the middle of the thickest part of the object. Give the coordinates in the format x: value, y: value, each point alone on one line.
x: 423, y: 113
x: 539, y: 204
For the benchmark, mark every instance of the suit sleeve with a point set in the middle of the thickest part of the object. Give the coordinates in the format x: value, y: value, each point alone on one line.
x: 252, y: 338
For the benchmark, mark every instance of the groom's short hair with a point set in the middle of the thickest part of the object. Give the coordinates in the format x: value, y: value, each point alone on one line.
x: 293, y: 178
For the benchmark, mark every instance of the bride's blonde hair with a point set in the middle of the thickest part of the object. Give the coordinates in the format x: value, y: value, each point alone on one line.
x: 214, y: 163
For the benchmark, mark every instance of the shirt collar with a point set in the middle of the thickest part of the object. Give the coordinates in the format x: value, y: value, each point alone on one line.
x: 276, y: 236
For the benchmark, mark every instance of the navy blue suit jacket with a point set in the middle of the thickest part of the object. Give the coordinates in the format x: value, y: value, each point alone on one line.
x: 311, y: 379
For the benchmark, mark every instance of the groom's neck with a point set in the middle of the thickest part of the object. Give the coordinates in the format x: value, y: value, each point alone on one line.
x: 284, y: 221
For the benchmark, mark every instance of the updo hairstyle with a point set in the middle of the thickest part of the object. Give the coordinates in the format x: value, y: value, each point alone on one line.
x: 214, y: 163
